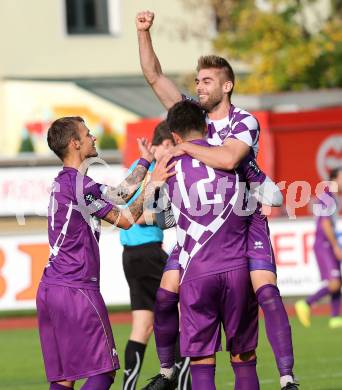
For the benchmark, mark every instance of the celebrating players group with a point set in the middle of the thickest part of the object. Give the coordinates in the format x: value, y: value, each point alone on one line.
x: 222, y: 268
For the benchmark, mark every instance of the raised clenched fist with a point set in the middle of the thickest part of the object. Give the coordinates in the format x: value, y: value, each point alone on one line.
x: 144, y: 20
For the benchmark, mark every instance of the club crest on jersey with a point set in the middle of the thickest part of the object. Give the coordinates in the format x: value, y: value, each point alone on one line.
x: 223, y: 133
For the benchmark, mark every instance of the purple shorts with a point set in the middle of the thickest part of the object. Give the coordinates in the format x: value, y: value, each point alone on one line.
x: 75, y: 333
x: 329, y: 266
x: 206, y: 303
x: 259, y: 247
x: 172, y: 263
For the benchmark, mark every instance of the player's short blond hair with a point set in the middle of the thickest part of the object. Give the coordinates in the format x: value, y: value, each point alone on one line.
x: 213, y: 61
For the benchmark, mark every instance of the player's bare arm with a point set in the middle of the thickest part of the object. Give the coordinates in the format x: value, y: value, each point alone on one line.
x: 227, y: 157
x: 125, y: 218
x: 329, y: 231
x: 124, y: 191
x: 147, y: 218
x: 166, y: 91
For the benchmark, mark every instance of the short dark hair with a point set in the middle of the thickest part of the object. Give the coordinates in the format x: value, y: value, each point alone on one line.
x: 212, y: 61
x: 161, y: 133
x: 61, y: 132
x: 334, y: 173
x: 186, y: 116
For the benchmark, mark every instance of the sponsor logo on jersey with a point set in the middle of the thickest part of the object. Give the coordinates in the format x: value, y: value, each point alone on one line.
x: 258, y: 245
x: 254, y: 166
x: 95, y: 203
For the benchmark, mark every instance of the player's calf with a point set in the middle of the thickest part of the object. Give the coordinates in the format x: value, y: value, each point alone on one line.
x: 166, y: 327
x: 203, y: 373
x: 244, y: 366
x: 278, y: 330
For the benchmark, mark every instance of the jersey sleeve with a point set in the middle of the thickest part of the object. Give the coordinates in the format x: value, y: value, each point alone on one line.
x: 94, y: 198
x: 245, y: 128
x: 251, y: 171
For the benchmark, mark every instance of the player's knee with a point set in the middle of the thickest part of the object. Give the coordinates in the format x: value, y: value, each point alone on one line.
x: 243, y: 357
x: 170, y: 281
x: 63, y: 384
x: 141, y: 331
x: 334, y: 285
x: 262, y: 278
x: 147, y: 330
x: 203, y: 360
x: 111, y: 374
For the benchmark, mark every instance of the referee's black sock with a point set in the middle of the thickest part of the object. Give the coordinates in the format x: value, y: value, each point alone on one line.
x: 134, y: 356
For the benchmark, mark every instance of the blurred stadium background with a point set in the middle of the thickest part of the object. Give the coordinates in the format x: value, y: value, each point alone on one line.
x: 80, y: 57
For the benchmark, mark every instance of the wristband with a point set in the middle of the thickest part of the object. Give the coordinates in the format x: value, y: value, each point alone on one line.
x: 144, y: 163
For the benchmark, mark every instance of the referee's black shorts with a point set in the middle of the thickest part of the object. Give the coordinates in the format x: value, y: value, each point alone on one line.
x: 143, y: 266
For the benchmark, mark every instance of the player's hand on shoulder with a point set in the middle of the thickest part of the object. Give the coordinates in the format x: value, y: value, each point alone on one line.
x: 162, y: 170
x: 145, y: 149
x: 144, y: 20
x: 178, y: 150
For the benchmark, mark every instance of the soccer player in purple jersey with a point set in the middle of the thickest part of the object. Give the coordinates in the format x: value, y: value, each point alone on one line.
x: 74, y: 328
x: 236, y: 132
x: 328, y: 255
x: 143, y: 264
x: 214, y: 285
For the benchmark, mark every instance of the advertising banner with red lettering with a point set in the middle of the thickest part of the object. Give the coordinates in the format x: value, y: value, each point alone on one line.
x: 23, y: 257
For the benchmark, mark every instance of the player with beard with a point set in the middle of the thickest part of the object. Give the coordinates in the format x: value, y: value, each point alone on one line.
x: 215, y: 285
x: 236, y: 134
x: 143, y: 262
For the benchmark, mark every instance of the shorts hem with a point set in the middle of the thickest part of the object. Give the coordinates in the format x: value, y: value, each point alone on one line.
x: 211, y: 273
x: 202, y: 354
x: 243, y: 350
x: 85, y: 375
x: 75, y: 286
x: 142, y: 308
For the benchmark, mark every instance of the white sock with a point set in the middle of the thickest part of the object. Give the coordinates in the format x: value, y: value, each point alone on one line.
x: 284, y: 380
x: 167, y: 372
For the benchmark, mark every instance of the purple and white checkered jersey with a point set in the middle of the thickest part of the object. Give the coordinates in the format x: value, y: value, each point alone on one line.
x: 239, y: 124
x: 75, y: 209
x: 210, y: 236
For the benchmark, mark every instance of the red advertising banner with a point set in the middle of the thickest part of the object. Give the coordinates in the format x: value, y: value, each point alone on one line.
x: 305, y: 146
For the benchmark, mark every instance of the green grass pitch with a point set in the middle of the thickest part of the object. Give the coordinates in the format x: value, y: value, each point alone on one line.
x: 318, y: 352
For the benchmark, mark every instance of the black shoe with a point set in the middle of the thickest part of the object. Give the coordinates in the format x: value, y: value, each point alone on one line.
x: 291, y: 386
x: 160, y: 382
